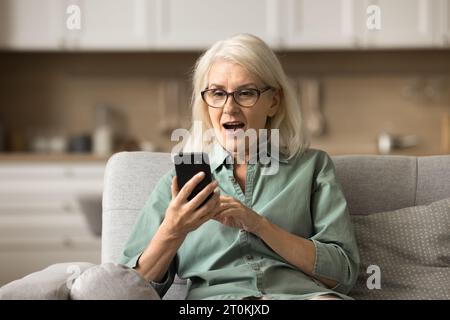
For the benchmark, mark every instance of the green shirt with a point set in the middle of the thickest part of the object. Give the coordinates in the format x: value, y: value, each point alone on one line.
x: 303, y: 197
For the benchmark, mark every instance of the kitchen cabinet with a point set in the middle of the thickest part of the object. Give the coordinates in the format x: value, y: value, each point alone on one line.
x: 42, y: 220
x: 197, y: 24
x: 406, y: 23
x: 105, y: 24
x: 118, y: 24
x: 26, y: 24
x: 319, y: 24
x: 445, y: 21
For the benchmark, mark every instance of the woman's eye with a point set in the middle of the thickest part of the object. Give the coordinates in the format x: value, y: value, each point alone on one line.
x: 218, y: 93
x: 247, y: 93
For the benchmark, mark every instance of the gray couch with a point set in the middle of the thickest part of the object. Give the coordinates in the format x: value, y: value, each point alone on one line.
x: 376, y: 188
x: 399, y: 205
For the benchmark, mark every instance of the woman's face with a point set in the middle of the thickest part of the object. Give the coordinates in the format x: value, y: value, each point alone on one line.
x: 230, y: 76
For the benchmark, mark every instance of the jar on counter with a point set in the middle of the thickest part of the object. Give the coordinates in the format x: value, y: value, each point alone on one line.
x: 103, y: 136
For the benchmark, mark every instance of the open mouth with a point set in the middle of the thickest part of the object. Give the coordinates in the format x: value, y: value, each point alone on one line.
x: 233, y: 125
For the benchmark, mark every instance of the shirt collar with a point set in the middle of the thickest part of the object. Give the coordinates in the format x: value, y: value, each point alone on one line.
x: 219, y: 155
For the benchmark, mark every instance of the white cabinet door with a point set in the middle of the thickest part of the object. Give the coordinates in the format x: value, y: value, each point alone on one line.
x: 405, y: 23
x: 197, y: 24
x: 49, y: 212
x: 116, y: 24
x: 318, y: 24
x: 31, y: 24
x: 444, y: 9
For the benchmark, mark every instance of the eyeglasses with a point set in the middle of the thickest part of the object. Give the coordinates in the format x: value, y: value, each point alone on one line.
x: 246, y: 97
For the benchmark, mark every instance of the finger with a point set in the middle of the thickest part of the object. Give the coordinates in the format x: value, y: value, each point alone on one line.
x: 222, y: 206
x: 216, y: 216
x: 190, y: 185
x: 236, y: 204
x: 228, y: 212
x: 230, y: 222
x: 216, y: 209
x: 207, y: 216
x: 207, y: 210
x: 224, y: 216
x: 212, y: 205
x: 202, y: 195
x: 174, y: 187
x: 231, y: 204
x: 227, y: 199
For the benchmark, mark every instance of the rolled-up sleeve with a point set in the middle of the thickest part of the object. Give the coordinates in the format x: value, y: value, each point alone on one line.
x: 145, y: 227
x: 337, y: 256
x: 164, y: 285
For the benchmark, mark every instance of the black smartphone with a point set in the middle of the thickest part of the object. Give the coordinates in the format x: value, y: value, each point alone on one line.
x: 187, y: 165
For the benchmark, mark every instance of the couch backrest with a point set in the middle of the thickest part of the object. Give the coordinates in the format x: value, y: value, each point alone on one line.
x: 371, y: 183
x: 375, y: 183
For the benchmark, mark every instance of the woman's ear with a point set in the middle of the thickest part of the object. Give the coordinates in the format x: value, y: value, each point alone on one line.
x: 276, y: 99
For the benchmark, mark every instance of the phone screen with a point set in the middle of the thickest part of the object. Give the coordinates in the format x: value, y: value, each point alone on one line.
x: 187, y: 165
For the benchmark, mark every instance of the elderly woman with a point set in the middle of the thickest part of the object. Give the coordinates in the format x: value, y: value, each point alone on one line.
x: 286, y: 235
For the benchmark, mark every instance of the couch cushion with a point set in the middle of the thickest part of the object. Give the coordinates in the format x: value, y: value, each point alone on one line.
x: 411, y: 246
x: 110, y: 281
x: 51, y: 283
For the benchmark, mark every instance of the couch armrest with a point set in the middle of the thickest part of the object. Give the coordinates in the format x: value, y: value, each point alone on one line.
x: 51, y: 283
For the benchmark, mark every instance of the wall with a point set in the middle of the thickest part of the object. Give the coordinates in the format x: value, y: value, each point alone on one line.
x: 362, y: 94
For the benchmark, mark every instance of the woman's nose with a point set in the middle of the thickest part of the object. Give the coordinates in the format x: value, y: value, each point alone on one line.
x: 231, y: 106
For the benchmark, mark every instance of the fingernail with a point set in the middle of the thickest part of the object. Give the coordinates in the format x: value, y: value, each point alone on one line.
x: 201, y: 174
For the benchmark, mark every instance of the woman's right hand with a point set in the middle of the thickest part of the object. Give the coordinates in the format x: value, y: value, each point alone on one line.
x: 183, y: 216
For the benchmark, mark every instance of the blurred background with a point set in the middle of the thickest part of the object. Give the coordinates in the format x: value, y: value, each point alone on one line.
x: 80, y: 80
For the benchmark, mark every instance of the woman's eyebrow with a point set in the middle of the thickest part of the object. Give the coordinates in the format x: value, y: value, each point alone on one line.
x: 216, y: 85
x: 250, y: 84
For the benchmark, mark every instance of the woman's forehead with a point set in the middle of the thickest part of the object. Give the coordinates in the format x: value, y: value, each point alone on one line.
x: 226, y: 73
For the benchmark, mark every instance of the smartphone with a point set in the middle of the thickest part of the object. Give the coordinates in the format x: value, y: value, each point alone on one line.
x: 187, y: 165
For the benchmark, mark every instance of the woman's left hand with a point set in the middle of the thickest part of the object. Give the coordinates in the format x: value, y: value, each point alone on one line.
x: 233, y: 213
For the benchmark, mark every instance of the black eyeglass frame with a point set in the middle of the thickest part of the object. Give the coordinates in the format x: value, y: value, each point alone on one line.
x: 258, y: 91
